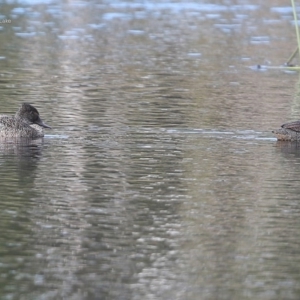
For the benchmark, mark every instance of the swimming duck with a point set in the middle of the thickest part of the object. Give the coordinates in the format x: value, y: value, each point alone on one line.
x: 26, y: 123
x: 288, y: 132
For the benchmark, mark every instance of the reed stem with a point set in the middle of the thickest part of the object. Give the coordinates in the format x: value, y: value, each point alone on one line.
x: 296, y: 25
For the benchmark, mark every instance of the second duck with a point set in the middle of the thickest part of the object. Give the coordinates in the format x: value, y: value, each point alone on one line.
x: 288, y: 132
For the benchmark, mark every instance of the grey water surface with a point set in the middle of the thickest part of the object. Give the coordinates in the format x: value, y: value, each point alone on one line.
x: 160, y: 178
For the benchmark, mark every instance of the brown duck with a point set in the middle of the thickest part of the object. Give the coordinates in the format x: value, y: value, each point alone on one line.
x: 288, y: 132
x: 26, y: 123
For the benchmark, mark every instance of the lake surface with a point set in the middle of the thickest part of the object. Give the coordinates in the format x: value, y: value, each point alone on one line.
x: 160, y: 178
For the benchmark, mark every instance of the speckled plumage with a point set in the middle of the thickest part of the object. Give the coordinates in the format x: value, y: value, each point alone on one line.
x: 25, y: 124
x: 288, y: 132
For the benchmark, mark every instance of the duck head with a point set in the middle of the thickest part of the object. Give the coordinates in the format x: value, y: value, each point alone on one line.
x: 31, y: 115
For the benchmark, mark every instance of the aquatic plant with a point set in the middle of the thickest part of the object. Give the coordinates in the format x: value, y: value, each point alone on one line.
x: 298, y: 41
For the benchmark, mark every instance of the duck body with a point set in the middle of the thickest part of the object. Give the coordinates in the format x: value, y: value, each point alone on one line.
x: 288, y: 132
x: 26, y: 123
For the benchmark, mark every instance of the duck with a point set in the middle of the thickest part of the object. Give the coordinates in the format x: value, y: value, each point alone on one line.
x: 26, y: 123
x: 288, y: 132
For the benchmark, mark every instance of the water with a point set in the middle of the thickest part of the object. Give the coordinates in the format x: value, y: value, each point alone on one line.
x: 160, y: 178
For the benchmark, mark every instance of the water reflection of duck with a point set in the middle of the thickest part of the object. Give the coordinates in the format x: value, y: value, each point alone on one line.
x: 288, y: 132
x: 26, y: 123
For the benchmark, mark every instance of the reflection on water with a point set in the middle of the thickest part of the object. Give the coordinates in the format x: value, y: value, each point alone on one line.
x: 21, y: 147
x: 161, y: 178
x: 288, y: 148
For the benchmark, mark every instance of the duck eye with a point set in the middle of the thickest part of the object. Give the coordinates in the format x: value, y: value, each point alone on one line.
x: 34, y: 116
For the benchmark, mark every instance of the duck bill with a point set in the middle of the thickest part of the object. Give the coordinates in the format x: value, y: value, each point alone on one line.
x: 41, y: 123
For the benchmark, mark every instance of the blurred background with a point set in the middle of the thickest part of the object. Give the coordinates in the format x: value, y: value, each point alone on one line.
x: 160, y: 178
